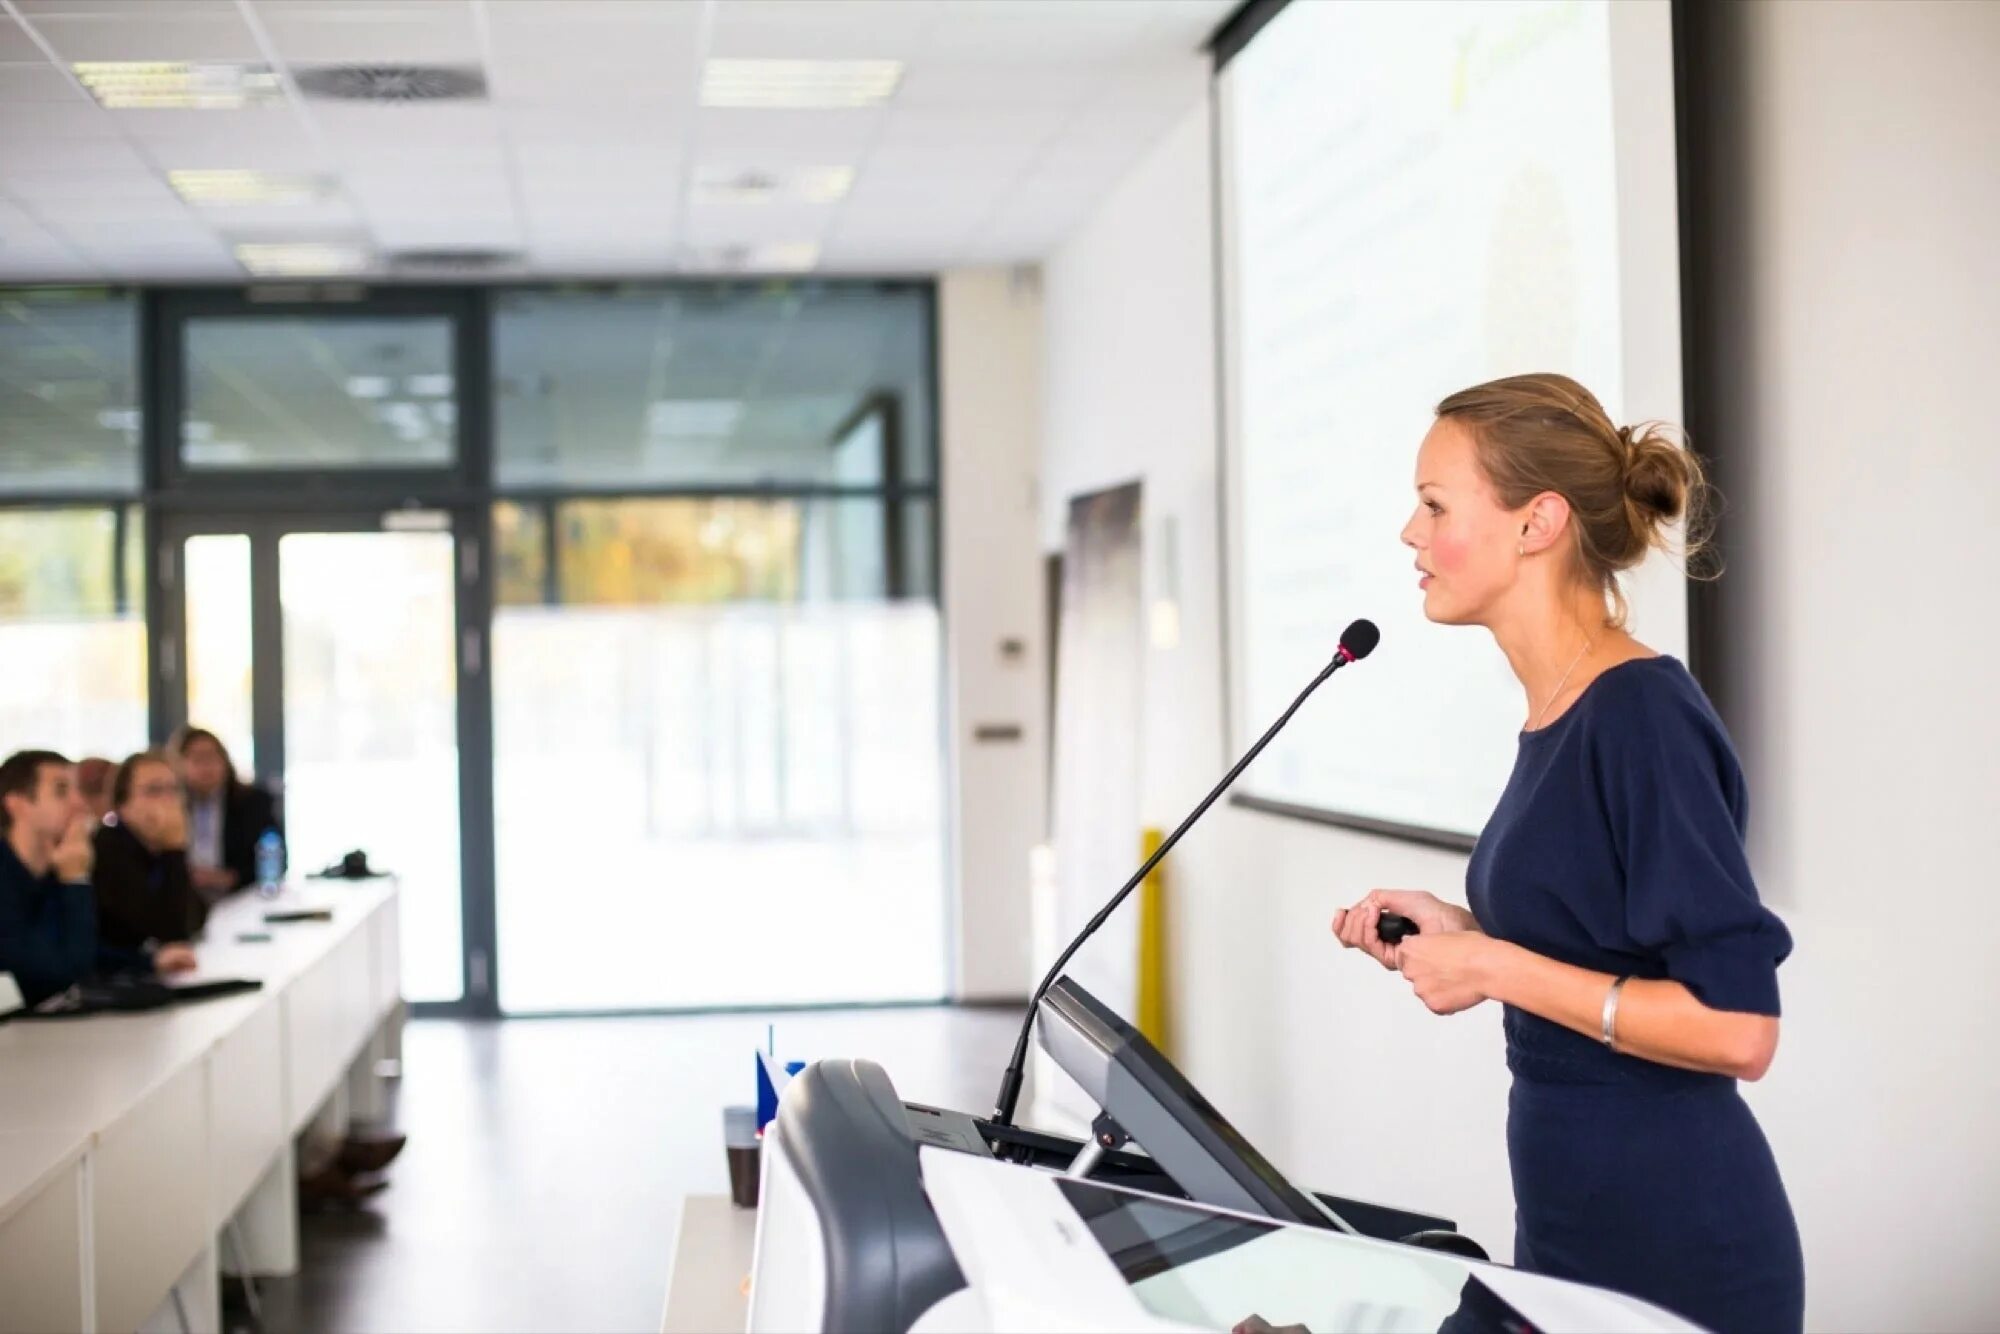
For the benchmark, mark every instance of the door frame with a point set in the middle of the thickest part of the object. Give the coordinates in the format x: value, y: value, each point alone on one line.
x: 466, y: 526
x: 267, y: 504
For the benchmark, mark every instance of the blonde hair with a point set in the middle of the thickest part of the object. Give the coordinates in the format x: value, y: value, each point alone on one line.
x: 1626, y: 485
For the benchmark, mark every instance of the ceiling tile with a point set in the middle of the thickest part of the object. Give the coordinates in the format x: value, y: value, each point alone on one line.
x: 1003, y: 86
x: 371, y: 32
x: 755, y: 224
x: 62, y: 155
x: 948, y: 130
x: 574, y: 53
x: 80, y: 118
x: 585, y: 161
x: 433, y: 231
x: 813, y: 29
x: 87, y: 233
x: 327, y: 215
x: 377, y: 128
x: 16, y: 47
x: 552, y: 133
x: 27, y: 84
x: 265, y: 138
x: 778, y: 138
x: 447, y: 188
x: 82, y: 186
x: 148, y: 30
x: 1051, y: 32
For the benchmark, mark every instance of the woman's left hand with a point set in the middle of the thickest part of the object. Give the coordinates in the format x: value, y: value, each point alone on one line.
x: 1447, y: 971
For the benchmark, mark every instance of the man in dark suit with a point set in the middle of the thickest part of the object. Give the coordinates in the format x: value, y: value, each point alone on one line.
x: 226, y: 816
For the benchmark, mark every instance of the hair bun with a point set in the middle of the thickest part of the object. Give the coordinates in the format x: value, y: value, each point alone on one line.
x: 1658, y: 474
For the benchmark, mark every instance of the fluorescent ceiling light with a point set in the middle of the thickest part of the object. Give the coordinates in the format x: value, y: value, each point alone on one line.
x: 811, y: 185
x: 233, y: 186
x: 799, y: 84
x: 367, y: 386
x: 428, y: 386
x: 177, y: 85
x: 300, y: 259
x: 784, y: 257
x: 788, y: 257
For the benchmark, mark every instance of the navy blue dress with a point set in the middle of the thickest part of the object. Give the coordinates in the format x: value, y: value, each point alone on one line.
x: 1618, y: 846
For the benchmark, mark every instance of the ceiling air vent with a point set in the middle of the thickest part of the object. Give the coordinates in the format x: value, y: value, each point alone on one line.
x: 393, y: 83
x: 463, y: 263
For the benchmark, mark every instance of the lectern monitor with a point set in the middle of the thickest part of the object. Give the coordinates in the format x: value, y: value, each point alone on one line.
x: 1154, y: 1103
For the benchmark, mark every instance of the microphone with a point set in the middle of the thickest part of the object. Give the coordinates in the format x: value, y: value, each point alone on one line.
x: 1356, y: 643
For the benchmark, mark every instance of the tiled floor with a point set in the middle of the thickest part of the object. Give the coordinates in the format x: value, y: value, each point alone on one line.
x: 548, y: 1159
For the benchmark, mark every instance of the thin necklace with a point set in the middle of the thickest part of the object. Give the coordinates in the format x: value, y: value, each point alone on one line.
x: 1554, y: 694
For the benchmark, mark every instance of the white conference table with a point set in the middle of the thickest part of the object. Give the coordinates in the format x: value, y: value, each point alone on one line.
x: 139, y: 1152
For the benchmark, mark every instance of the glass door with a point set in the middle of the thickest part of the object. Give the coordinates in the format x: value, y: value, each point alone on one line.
x: 325, y: 652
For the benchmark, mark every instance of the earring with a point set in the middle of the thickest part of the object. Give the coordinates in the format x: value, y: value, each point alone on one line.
x: 1521, y: 550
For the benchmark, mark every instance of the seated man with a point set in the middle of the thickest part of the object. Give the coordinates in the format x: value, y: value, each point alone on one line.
x: 144, y: 896
x: 48, y: 915
x: 226, y: 816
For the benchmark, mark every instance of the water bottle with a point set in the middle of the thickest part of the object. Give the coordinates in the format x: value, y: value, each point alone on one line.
x: 270, y: 863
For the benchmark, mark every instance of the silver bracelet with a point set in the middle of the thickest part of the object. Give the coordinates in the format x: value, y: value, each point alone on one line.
x: 1611, y: 1012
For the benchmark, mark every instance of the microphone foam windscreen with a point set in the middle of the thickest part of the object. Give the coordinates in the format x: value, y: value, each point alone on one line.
x: 1360, y: 639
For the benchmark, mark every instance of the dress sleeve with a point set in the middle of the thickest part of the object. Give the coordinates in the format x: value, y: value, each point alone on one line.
x: 1672, y: 787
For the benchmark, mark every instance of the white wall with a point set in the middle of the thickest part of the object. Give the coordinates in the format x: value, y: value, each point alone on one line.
x: 1854, y: 343
x: 990, y: 392
x: 1854, y: 321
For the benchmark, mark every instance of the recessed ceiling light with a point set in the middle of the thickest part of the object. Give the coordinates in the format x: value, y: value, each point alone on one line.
x: 177, y: 85
x: 231, y: 186
x: 799, y: 84
x: 300, y: 259
x: 811, y: 185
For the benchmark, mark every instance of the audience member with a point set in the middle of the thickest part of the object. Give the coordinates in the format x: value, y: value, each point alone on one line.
x: 141, y: 873
x: 226, y: 816
x: 48, y: 914
x: 93, y: 782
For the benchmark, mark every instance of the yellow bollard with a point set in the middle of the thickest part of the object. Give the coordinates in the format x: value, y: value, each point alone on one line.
x: 1152, y: 1005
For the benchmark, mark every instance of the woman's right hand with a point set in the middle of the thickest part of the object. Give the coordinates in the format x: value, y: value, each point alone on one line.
x: 1356, y: 927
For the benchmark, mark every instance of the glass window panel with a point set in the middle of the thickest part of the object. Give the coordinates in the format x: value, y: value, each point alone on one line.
x: 749, y: 729
x: 270, y: 392
x: 918, y: 540
x: 132, y: 594
x: 72, y: 662
x: 520, y: 544
x: 714, y: 385
x: 217, y: 588
x: 650, y: 551
x: 371, y: 726
x: 69, y: 400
